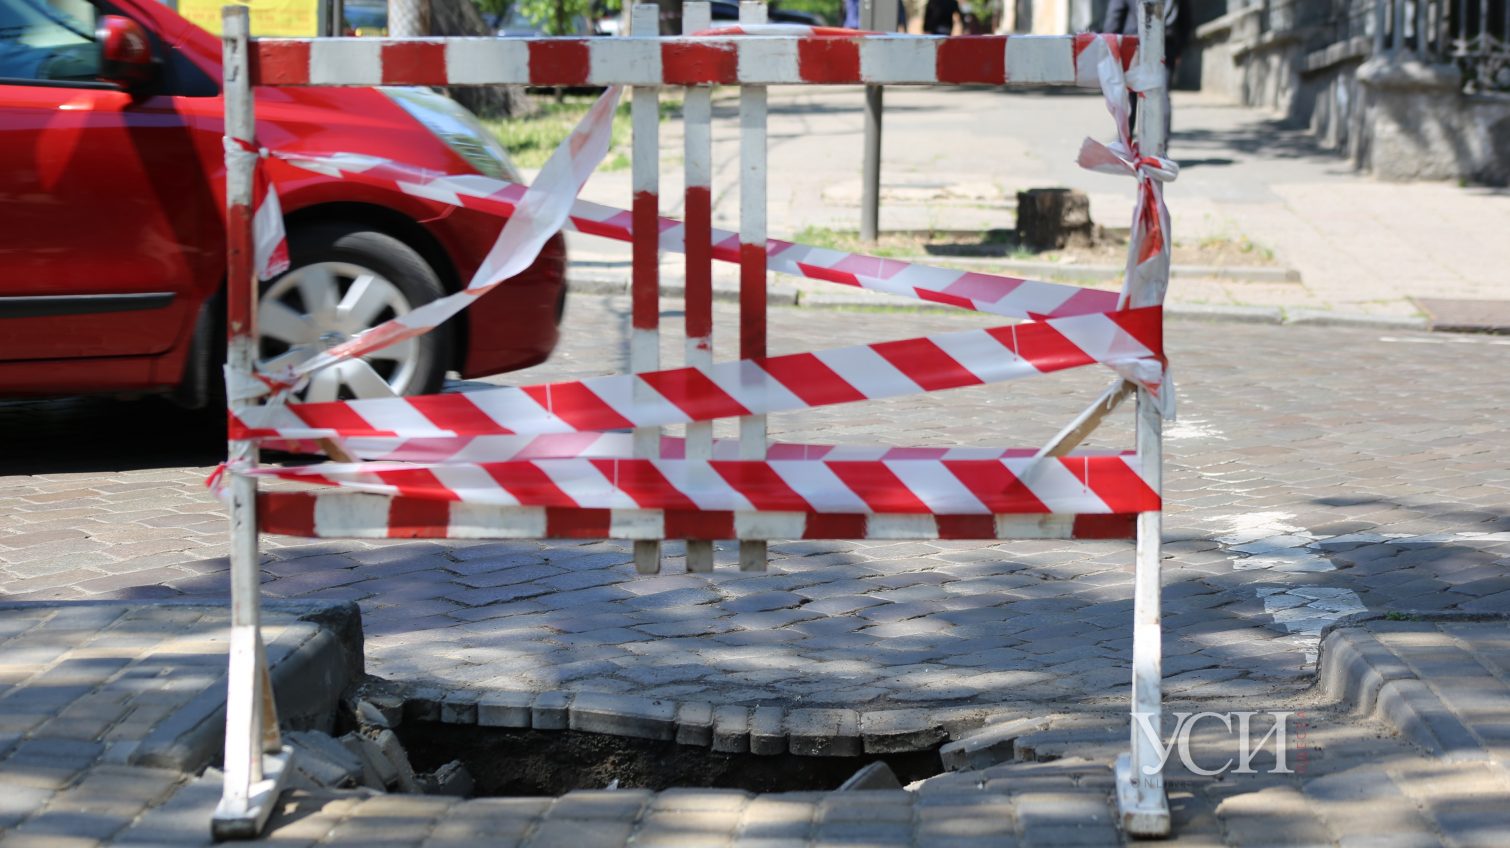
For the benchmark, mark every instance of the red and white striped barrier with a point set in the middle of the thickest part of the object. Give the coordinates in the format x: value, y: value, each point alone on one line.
x: 354, y: 515
x: 1068, y: 485
x: 1131, y: 340
x: 546, y: 460
x: 830, y: 59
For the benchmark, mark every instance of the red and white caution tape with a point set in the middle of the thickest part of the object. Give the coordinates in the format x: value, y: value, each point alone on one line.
x: 1131, y: 340
x: 1147, y: 270
x: 269, y: 241
x: 541, y: 211
x: 1000, y: 295
x: 1147, y: 276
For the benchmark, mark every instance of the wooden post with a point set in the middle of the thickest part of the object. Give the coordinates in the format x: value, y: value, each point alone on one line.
x: 697, y: 107
x: 252, y: 778
x: 753, y: 555
x: 645, y: 317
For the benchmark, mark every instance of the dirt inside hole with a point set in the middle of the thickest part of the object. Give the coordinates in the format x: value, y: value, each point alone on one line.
x: 553, y: 762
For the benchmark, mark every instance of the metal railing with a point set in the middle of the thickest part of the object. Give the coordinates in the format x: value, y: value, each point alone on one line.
x: 1473, y: 34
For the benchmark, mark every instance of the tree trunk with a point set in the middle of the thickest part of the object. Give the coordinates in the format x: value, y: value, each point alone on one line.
x: 460, y: 17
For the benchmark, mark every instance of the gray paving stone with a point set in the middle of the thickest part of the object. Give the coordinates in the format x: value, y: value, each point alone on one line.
x: 576, y: 833
x: 505, y: 709
x: 549, y: 711
x: 621, y: 715
x: 694, y: 723
x: 824, y: 732
x: 887, y: 731
x: 731, y: 729
x: 767, y: 730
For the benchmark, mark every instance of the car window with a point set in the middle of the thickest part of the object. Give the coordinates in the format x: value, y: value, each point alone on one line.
x: 48, y: 40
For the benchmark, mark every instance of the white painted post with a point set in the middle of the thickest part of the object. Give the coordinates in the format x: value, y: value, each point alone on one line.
x: 252, y: 779
x: 753, y: 555
x: 645, y: 317
x: 697, y: 111
x: 1140, y: 780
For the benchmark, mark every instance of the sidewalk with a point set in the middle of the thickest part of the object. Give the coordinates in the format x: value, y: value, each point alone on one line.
x: 1349, y: 246
x: 1404, y: 744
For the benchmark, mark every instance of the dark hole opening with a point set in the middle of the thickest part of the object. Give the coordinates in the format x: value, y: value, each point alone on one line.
x: 505, y: 761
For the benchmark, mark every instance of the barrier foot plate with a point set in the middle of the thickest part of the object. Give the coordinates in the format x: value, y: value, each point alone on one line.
x: 1144, y: 814
x: 233, y: 821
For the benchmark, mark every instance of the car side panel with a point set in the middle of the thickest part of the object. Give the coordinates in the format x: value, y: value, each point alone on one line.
x: 105, y: 226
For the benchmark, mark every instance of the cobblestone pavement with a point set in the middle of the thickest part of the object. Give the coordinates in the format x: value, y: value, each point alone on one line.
x: 1314, y: 472
x: 104, y: 710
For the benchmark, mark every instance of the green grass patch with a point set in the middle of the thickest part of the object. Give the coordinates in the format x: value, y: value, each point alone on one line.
x: 530, y: 141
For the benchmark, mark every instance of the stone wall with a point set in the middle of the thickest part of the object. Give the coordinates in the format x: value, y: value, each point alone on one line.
x: 1312, y: 62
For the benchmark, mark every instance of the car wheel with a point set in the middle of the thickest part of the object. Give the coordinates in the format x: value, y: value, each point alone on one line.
x: 345, y: 279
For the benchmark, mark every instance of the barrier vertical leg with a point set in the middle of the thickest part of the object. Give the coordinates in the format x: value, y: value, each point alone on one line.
x: 752, y: 261
x: 645, y: 319
x: 697, y: 109
x: 253, y: 779
x: 1140, y: 779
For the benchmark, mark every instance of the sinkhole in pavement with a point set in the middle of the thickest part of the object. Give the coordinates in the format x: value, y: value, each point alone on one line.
x: 513, y: 762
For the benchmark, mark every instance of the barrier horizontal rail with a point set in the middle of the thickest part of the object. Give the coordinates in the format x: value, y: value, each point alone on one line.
x: 1070, y: 484
x: 1130, y: 338
x: 355, y: 515
x: 712, y: 60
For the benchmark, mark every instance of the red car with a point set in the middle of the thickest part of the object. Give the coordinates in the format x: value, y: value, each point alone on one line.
x: 112, y: 241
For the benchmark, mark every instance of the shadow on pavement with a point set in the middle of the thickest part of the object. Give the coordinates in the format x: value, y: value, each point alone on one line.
x: 74, y: 435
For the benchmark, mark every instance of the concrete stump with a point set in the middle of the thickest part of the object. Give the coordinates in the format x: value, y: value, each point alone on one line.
x: 1054, y: 218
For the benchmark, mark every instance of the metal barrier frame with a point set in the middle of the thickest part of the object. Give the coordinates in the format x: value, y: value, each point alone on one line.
x: 256, y: 762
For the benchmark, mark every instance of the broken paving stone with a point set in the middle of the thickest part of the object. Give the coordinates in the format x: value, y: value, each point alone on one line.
x: 323, y: 761
x: 877, y: 775
x: 451, y: 779
x: 388, y: 745
x: 989, y: 746
x: 378, y: 772
x: 380, y: 711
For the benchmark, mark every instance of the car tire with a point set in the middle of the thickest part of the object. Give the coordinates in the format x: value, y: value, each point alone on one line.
x: 345, y: 278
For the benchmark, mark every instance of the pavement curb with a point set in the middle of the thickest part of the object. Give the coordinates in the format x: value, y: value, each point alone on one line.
x: 1109, y: 273
x: 1366, y: 676
x: 309, y: 668
x: 733, y: 728
x: 788, y: 296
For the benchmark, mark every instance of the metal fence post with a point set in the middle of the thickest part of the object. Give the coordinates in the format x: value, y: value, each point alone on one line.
x: 252, y: 778
x: 753, y: 554
x: 697, y: 110
x: 879, y: 15
x: 645, y: 335
x: 1140, y: 780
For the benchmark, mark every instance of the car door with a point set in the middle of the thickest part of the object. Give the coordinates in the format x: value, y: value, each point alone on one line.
x: 108, y: 214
